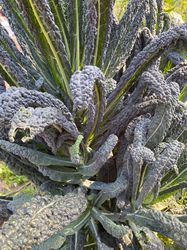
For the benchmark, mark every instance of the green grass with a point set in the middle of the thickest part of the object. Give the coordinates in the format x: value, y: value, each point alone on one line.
x: 12, y: 184
x: 9, y: 177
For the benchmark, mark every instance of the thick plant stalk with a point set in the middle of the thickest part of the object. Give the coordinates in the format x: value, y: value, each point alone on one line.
x: 40, y: 218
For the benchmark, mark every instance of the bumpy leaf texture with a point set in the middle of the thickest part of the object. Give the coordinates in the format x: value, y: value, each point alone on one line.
x: 87, y: 87
x: 147, y: 239
x: 33, y: 156
x: 118, y: 231
x: 2, y: 85
x: 91, y: 32
x: 118, y: 131
x: 14, y: 103
x: 165, y: 161
x: 152, y: 51
x: 164, y: 113
x: 38, y: 119
x: 41, y: 217
x: 163, y: 223
x: 82, y: 86
x: 100, y: 156
x: 124, y: 36
x: 178, y: 74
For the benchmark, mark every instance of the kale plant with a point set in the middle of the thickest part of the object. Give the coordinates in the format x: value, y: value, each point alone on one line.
x: 93, y: 121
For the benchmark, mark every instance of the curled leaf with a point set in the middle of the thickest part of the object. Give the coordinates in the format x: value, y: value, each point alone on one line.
x: 82, y: 86
x: 37, y: 120
x: 163, y: 223
x: 15, y: 98
x: 118, y: 231
x: 100, y: 157
x: 152, y: 51
x: 163, y: 163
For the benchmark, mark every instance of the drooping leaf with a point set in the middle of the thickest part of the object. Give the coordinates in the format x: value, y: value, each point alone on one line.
x: 21, y: 167
x: 14, y: 98
x: 70, y: 229
x: 100, y: 157
x: 55, y: 242
x: 37, y: 120
x: 152, y: 51
x: 163, y: 223
x: 135, y: 106
x: 61, y: 174
x: 138, y: 153
x: 164, y: 162
x: 35, y: 157
x: 41, y: 217
x: 144, y: 37
x: 107, y: 190
x: 111, y: 190
x: 163, y: 112
x: 139, y: 156
x: 18, y: 201
x: 117, y: 231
